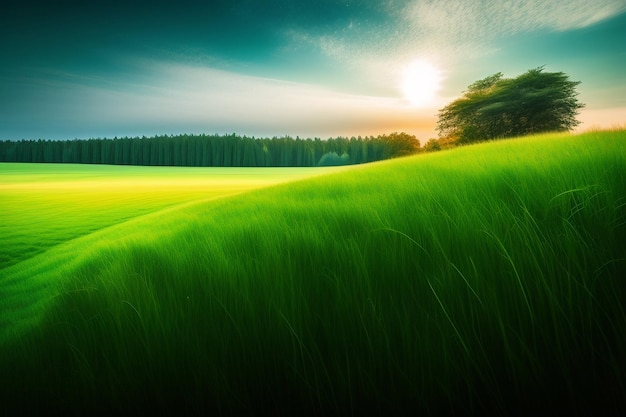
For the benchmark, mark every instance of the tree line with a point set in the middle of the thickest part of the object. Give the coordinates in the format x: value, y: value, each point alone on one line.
x: 492, y: 108
x: 212, y: 150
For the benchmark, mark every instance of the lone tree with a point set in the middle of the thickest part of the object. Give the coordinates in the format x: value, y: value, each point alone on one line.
x: 497, y: 107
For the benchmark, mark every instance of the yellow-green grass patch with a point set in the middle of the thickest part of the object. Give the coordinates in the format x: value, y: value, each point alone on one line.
x: 42, y: 205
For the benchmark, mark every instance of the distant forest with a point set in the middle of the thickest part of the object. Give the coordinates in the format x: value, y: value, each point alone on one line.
x: 212, y: 150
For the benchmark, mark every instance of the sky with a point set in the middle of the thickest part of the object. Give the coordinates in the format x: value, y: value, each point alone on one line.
x: 323, y: 68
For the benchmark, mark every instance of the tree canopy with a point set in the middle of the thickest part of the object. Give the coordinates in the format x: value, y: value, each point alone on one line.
x: 497, y: 107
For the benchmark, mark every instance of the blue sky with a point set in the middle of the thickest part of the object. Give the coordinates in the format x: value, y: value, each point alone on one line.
x: 77, y: 69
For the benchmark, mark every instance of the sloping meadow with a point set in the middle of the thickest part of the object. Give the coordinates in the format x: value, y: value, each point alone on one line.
x: 486, y: 279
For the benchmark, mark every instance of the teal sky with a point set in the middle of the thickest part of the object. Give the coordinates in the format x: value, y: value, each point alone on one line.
x: 77, y: 69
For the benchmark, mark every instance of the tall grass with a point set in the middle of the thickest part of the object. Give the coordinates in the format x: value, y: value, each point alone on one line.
x: 482, y: 280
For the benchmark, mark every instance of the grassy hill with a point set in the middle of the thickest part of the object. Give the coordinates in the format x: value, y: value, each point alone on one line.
x: 482, y: 280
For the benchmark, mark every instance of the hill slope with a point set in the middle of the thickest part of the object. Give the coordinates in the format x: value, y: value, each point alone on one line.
x: 485, y: 279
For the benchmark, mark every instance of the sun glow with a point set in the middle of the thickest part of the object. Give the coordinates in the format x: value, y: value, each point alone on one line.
x: 420, y: 82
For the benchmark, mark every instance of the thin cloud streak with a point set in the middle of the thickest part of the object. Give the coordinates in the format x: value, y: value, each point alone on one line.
x: 175, y: 98
x: 454, y: 20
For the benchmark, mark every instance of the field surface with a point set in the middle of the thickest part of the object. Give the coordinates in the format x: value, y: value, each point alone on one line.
x: 47, y: 204
x: 484, y: 280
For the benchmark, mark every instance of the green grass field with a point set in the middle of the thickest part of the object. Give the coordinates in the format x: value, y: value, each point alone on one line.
x: 44, y: 205
x: 481, y: 280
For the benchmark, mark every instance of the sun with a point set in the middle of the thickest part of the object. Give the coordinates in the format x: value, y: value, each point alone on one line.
x: 420, y: 82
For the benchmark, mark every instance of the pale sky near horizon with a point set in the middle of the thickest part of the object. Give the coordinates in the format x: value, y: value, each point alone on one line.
x: 325, y: 68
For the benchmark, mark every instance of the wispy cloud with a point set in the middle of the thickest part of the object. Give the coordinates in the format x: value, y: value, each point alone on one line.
x: 455, y: 20
x: 176, y: 98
